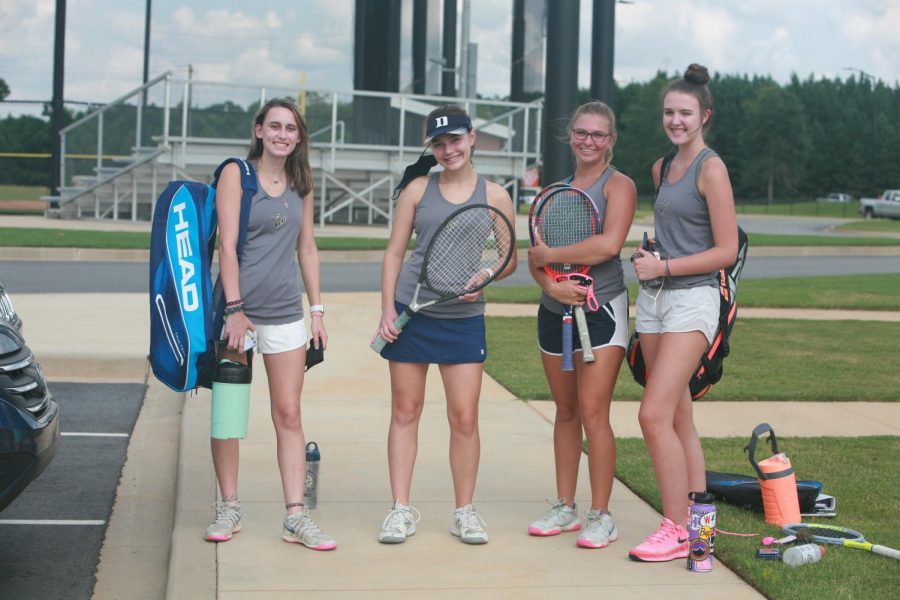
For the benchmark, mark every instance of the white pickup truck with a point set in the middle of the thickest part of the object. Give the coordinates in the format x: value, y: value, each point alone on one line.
x: 886, y: 205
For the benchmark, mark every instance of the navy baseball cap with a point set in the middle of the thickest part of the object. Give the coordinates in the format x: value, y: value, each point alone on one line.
x: 452, y: 124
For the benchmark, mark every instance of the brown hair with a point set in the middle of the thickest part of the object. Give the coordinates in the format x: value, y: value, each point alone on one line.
x: 694, y: 83
x: 595, y: 107
x: 299, y: 173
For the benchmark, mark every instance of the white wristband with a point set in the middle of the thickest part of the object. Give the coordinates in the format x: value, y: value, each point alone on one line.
x: 317, y: 308
x: 489, y: 272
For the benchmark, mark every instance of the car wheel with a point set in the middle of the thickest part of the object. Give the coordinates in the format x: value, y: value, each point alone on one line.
x: 869, y: 214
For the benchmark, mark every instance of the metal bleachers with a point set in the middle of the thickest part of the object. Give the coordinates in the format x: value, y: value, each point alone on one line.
x: 360, y: 144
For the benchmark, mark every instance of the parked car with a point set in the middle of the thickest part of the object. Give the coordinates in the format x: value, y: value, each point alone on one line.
x: 885, y: 205
x: 835, y: 197
x: 7, y: 311
x: 29, y: 416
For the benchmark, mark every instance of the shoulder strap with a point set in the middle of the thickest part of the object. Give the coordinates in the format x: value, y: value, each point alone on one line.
x: 249, y: 187
x: 664, y: 168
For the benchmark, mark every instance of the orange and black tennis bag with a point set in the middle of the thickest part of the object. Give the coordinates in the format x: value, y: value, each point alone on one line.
x: 710, y: 369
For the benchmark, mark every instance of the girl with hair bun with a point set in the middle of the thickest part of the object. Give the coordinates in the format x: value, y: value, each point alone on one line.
x: 696, y: 235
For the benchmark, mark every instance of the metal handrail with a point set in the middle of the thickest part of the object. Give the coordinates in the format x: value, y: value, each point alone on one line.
x: 404, y: 107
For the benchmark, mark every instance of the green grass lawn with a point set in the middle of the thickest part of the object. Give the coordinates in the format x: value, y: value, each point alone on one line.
x: 848, y: 292
x: 807, y: 208
x: 863, y: 474
x: 66, y: 238
x: 771, y: 359
x: 22, y: 192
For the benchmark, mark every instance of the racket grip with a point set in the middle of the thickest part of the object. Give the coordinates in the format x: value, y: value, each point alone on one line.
x: 885, y: 551
x: 401, y: 320
x: 568, y: 363
x: 587, y: 353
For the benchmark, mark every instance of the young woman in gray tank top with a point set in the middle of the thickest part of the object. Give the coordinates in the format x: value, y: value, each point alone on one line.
x: 583, y: 396
x: 451, y: 335
x: 263, y: 295
x: 696, y: 234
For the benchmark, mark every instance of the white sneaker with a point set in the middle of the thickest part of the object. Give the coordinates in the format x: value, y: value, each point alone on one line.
x: 399, y: 524
x: 468, y: 526
x: 227, y: 522
x: 299, y: 528
x: 599, y: 531
x: 559, y: 518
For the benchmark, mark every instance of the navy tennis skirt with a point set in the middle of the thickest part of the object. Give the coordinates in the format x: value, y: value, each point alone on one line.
x: 425, y: 339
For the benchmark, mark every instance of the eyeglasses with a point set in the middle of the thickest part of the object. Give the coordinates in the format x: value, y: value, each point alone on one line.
x: 597, y: 136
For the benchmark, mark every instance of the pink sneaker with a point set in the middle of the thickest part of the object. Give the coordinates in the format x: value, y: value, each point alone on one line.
x: 668, y: 542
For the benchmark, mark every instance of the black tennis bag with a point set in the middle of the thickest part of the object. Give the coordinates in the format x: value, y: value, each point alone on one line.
x: 744, y: 491
x: 710, y: 369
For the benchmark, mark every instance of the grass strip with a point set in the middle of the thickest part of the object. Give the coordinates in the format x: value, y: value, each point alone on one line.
x: 66, y: 238
x: 845, y: 292
x: 863, y: 474
x: 771, y: 360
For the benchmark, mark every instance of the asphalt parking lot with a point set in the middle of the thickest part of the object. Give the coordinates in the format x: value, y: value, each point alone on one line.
x: 52, y: 534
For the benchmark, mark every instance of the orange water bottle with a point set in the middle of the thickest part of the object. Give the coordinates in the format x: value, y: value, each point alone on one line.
x: 777, y: 481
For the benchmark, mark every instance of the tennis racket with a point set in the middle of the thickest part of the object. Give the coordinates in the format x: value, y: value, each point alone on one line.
x: 841, y: 536
x: 562, y: 215
x: 468, y: 251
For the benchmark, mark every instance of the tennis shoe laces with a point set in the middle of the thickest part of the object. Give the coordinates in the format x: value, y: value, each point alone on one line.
x: 559, y: 518
x: 226, y: 523
x: 468, y: 526
x: 668, y: 542
x: 299, y: 528
x: 399, y: 524
x: 599, y: 530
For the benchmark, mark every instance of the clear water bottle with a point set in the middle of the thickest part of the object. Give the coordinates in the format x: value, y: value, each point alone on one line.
x: 803, y: 555
x: 701, y: 532
x: 311, y: 491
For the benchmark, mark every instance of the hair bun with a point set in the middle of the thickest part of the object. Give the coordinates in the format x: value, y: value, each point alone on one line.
x: 697, y: 74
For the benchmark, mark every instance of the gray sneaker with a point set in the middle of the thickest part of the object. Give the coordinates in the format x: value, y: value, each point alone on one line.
x: 599, y: 531
x: 399, y: 524
x: 559, y: 518
x: 468, y: 526
x: 299, y: 528
x: 227, y: 522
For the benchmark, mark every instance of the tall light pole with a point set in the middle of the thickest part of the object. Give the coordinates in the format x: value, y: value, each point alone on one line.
x: 59, y: 55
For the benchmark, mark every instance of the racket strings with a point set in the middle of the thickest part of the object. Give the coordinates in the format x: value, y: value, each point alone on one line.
x: 467, y: 251
x: 566, y: 218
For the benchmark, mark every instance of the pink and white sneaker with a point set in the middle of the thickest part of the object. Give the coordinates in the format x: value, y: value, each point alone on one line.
x: 669, y: 542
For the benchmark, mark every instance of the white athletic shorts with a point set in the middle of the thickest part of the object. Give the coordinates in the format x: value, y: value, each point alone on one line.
x: 678, y: 311
x: 272, y: 339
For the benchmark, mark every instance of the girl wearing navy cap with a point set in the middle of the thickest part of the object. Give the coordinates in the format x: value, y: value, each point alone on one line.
x: 450, y: 334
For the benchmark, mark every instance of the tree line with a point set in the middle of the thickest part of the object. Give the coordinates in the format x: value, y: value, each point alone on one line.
x: 781, y: 142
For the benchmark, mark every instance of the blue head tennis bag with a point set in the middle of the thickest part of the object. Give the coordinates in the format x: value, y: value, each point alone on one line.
x: 185, y: 319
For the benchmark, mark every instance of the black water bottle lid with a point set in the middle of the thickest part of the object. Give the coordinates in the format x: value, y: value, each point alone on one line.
x: 702, y: 497
x: 228, y: 371
x: 312, y: 451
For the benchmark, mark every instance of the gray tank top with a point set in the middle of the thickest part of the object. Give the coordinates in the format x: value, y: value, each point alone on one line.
x: 270, y: 275
x: 433, y: 208
x: 682, y: 223
x: 609, y: 279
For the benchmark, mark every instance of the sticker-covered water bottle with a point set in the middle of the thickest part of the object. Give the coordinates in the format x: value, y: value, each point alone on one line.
x: 701, y: 532
x: 311, y: 491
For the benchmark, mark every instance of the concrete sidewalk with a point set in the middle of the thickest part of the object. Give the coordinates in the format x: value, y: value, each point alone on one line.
x: 346, y: 408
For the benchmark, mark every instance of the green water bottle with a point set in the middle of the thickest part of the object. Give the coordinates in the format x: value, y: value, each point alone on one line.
x: 230, y: 400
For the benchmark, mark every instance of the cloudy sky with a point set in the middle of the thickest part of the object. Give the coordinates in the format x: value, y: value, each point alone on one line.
x: 276, y: 42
